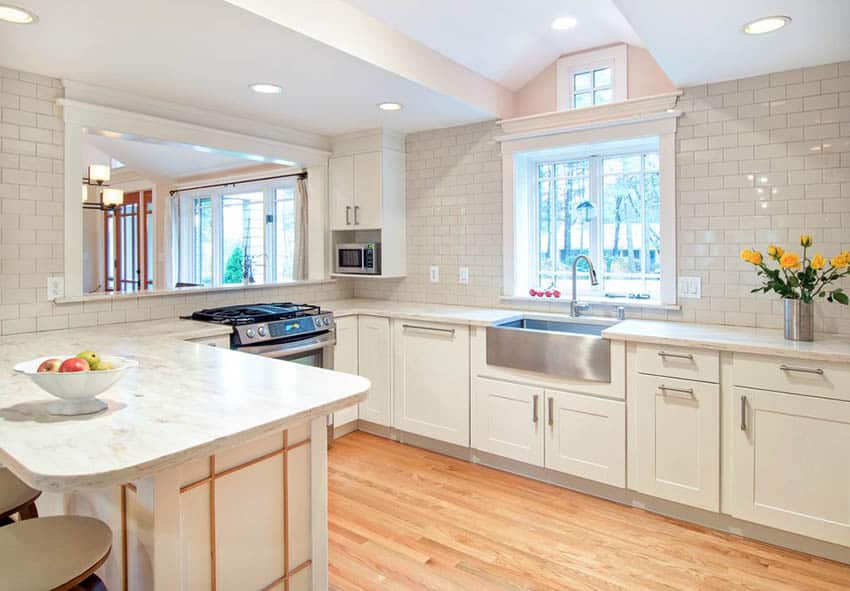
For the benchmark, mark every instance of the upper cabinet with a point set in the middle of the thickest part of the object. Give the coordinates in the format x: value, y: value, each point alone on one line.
x: 367, y: 190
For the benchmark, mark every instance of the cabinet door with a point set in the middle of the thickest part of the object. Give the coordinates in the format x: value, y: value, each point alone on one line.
x: 507, y: 420
x: 341, y: 179
x: 368, y: 191
x: 676, y: 443
x: 375, y: 364
x: 791, y: 463
x: 586, y: 436
x: 345, y: 359
x: 431, y: 380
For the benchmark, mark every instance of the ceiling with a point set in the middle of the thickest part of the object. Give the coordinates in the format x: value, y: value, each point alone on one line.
x: 160, y: 161
x: 206, y: 53
x: 507, y: 41
x: 697, y: 41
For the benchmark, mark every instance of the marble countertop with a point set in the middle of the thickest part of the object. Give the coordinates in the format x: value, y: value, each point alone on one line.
x: 762, y: 341
x: 184, y: 401
x: 423, y: 312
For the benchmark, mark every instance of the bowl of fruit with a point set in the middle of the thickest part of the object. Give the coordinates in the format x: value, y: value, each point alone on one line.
x: 77, y: 380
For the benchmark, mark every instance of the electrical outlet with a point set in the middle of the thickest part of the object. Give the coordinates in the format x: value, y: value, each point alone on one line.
x: 435, y: 274
x: 690, y: 287
x: 55, y: 287
x: 463, y: 275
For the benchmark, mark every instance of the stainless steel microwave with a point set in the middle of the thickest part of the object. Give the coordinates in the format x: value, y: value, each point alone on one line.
x: 359, y: 259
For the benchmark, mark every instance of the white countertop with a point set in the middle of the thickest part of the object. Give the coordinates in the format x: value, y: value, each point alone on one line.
x: 423, y: 312
x: 184, y: 401
x: 762, y: 341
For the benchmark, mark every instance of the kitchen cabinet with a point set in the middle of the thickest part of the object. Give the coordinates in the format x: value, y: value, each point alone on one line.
x: 341, y: 188
x: 507, y: 420
x: 366, y: 189
x: 790, y: 463
x: 346, y: 359
x: 375, y: 364
x: 674, y: 440
x: 586, y: 437
x: 431, y: 380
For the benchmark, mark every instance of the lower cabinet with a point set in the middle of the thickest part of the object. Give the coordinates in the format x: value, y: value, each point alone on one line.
x: 586, y: 437
x: 374, y: 354
x: 346, y: 359
x: 791, y: 463
x: 431, y: 380
x: 674, y: 443
x: 507, y: 420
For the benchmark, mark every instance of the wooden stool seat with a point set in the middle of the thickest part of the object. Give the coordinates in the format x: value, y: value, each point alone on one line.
x: 55, y: 553
x: 15, y: 496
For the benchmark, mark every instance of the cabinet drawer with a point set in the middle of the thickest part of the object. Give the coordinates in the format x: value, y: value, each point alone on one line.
x: 797, y: 376
x: 679, y: 362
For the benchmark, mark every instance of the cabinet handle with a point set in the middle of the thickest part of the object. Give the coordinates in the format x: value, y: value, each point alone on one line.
x: 347, y: 215
x: 551, y: 411
x: 663, y: 389
x: 743, y: 413
x: 356, y: 209
x: 676, y: 355
x: 536, y: 399
x: 450, y: 331
x: 815, y: 370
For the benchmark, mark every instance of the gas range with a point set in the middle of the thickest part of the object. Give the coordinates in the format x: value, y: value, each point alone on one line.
x: 269, y: 323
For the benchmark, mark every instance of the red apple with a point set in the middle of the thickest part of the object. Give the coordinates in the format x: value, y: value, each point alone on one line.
x: 532, y: 292
x: 556, y: 293
x: 49, y: 365
x: 548, y: 293
x: 74, y: 364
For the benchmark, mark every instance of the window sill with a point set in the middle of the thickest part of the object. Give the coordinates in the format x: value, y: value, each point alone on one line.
x: 607, y: 302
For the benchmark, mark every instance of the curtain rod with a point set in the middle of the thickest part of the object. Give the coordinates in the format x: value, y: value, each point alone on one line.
x: 302, y: 175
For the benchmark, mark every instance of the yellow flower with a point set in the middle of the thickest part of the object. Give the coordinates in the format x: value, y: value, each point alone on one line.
x: 805, y: 240
x: 818, y: 261
x: 775, y: 251
x: 840, y: 261
x: 746, y: 254
x: 790, y: 260
x: 756, y: 258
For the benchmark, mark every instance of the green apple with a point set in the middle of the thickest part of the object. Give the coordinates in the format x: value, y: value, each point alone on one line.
x: 90, y: 357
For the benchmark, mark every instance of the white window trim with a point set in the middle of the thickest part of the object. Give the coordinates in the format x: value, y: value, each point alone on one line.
x: 518, y: 153
x: 615, y: 57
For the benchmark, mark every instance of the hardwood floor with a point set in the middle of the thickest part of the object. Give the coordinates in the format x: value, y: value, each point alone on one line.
x: 403, y: 518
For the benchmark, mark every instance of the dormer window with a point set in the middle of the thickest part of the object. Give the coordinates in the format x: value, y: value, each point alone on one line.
x: 593, y: 78
x: 592, y: 87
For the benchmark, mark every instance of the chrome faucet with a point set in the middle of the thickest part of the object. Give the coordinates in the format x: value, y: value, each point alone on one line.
x: 575, y: 307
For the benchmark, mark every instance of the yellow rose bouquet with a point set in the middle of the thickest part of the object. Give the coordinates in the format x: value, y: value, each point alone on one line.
x: 799, y: 277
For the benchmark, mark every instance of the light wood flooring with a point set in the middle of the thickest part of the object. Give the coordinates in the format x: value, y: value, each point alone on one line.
x: 402, y: 518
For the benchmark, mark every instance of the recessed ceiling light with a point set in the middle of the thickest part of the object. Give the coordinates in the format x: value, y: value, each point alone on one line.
x: 390, y: 106
x: 766, y: 25
x: 16, y: 15
x: 564, y: 23
x: 266, y: 88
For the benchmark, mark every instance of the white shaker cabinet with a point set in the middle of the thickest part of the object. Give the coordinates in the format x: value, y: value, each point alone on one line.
x: 431, y: 380
x: 791, y: 463
x: 341, y: 177
x: 346, y: 359
x: 586, y: 436
x: 507, y: 420
x: 375, y: 364
x: 366, y: 190
x: 674, y: 440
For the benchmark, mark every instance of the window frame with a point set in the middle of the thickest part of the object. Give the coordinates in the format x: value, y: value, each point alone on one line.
x: 185, y: 207
x: 615, y: 57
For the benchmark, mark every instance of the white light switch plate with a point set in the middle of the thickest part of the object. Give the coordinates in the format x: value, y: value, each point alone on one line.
x: 463, y: 275
x: 55, y: 287
x: 690, y: 287
x: 435, y: 274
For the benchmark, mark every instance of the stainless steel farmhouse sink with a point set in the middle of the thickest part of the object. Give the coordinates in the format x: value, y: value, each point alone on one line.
x: 570, y: 348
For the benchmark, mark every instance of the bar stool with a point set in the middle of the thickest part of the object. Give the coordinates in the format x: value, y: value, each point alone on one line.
x: 57, y: 553
x: 16, y: 497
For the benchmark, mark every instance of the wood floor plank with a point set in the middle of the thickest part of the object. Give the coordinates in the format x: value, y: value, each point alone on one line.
x: 406, y: 519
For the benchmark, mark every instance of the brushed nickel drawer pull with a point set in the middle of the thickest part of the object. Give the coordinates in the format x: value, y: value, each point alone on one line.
x: 450, y: 331
x: 534, y: 417
x: 356, y: 209
x: 676, y: 355
x: 743, y: 413
x: 347, y: 215
x: 551, y: 411
x: 816, y: 370
x: 662, y: 388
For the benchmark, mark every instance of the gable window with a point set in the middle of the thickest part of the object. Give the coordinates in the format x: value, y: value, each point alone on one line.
x: 592, y: 78
x: 592, y: 87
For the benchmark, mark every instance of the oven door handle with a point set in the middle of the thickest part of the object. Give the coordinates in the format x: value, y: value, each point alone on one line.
x: 293, y: 348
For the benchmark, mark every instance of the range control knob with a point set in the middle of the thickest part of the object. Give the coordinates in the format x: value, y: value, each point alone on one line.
x: 327, y: 321
x: 261, y: 331
x: 249, y: 333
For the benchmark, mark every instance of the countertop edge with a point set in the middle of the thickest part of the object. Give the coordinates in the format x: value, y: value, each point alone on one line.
x: 61, y: 483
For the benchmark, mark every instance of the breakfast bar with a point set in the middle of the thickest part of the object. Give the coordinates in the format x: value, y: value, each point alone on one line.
x: 209, y: 465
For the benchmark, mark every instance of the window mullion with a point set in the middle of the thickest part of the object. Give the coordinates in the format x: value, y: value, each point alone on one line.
x: 597, y: 224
